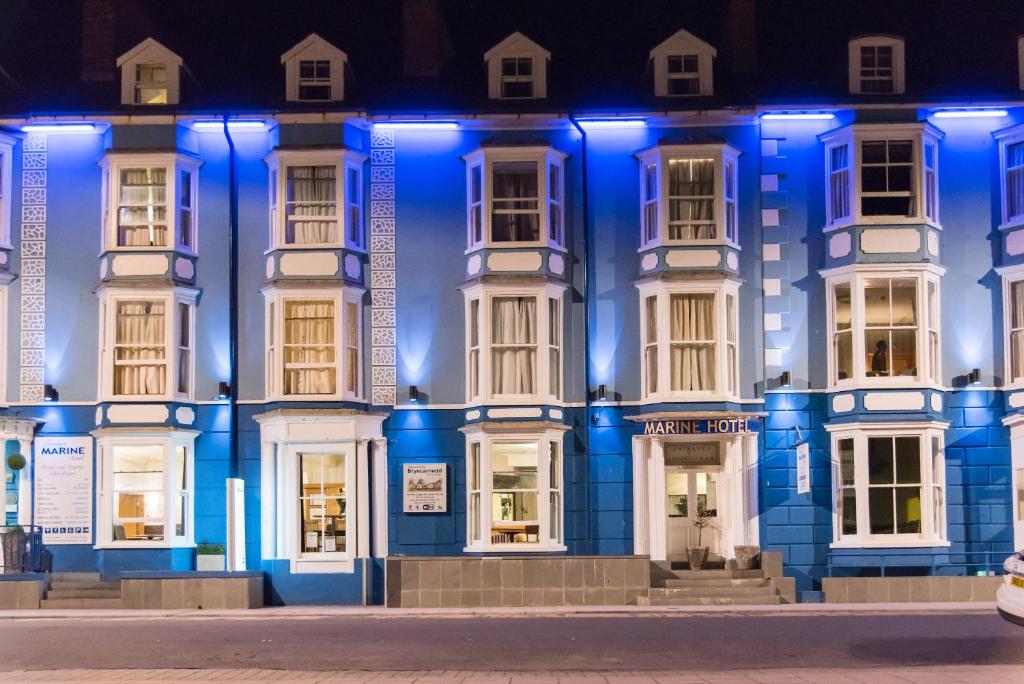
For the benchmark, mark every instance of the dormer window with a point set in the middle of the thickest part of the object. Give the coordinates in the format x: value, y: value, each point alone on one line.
x: 688, y: 195
x: 314, y: 71
x: 682, y: 66
x: 876, y: 65
x: 515, y: 197
x: 149, y: 75
x: 517, y: 69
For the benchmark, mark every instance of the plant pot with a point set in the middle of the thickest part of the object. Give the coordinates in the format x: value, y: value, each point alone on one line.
x: 697, y: 557
x: 747, y: 557
x: 209, y: 563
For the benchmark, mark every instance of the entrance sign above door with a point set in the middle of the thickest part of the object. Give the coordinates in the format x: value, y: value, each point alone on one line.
x: 693, y: 455
x: 703, y: 426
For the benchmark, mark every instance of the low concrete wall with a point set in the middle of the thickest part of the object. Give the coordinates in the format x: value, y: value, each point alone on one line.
x: 771, y: 566
x: 516, y: 581
x: 192, y: 589
x: 22, y: 591
x: 909, y: 589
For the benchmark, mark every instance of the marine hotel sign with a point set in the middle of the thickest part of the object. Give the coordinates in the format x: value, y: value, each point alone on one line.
x: 700, y: 426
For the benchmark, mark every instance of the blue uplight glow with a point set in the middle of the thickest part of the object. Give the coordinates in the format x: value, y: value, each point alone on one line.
x: 233, y: 124
x: 969, y: 113
x: 77, y: 127
x: 628, y: 122
x: 798, y: 116
x: 417, y: 125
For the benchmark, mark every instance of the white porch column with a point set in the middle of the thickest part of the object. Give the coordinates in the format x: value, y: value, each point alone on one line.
x: 362, y: 500
x: 268, y: 500
x: 658, y: 521
x: 283, y: 516
x: 751, y: 518
x: 380, y: 498
x: 641, y: 505
x: 25, y: 478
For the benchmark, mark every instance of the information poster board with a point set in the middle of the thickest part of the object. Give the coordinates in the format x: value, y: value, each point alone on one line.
x: 803, y: 468
x: 425, y: 488
x: 63, y: 489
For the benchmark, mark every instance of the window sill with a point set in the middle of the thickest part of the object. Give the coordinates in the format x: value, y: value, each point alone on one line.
x: 516, y: 548
x: 515, y: 245
x: 110, y: 545
x: 689, y: 243
x: 683, y: 397
x: 1009, y: 225
x: 290, y: 248
x: 873, y: 384
x: 334, y: 563
x: 890, y: 544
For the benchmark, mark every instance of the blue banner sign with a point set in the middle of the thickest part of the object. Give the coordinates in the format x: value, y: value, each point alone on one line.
x: 702, y: 426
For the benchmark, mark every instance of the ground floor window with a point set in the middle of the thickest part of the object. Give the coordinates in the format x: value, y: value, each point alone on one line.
x: 514, y: 490
x: 145, y: 489
x: 322, y: 497
x: 889, y: 485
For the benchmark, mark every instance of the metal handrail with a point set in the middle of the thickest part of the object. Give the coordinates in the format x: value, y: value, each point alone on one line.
x: 992, y: 562
x: 21, y: 549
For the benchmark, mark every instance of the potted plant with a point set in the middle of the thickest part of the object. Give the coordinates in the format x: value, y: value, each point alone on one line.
x: 747, y: 557
x: 697, y: 556
x: 210, y: 557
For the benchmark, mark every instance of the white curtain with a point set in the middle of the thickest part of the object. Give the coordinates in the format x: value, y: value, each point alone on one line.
x: 140, y: 337
x: 1017, y: 329
x: 142, y: 215
x: 515, y: 200
x: 309, y: 366
x: 693, y: 347
x: 514, y: 345
x: 692, y: 206
x: 1014, y: 180
x: 312, y: 192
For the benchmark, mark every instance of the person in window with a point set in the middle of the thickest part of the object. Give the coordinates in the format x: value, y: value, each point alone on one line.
x: 880, y: 359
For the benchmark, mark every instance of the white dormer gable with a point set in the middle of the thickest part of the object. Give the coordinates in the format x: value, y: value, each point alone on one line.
x: 517, y: 69
x: 682, y: 66
x: 150, y: 75
x: 314, y: 71
x: 877, y: 65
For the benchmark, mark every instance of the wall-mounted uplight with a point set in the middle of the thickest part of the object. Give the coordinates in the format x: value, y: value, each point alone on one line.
x: 602, y: 392
x: 974, y: 377
x: 77, y: 127
x: 416, y: 125
x: 786, y: 379
x: 223, y: 390
x: 969, y: 113
x: 628, y: 122
x: 233, y: 124
x: 798, y: 116
x: 414, y: 394
x: 50, y: 393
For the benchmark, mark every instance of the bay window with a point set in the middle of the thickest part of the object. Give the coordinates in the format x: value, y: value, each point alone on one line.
x: 146, y: 343
x: 6, y: 176
x: 881, y: 174
x: 515, y: 197
x: 513, y: 343
x: 149, y: 201
x: 690, y: 329
x: 514, y: 492
x: 316, y: 199
x: 884, y: 325
x: 689, y: 195
x: 1011, y: 167
x: 145, y: 489
x: 1013, y: 324
x: 888, y: 485
x: 313, y: 343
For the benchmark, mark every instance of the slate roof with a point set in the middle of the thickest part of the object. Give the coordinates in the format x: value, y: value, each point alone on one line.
x: 600, y: 49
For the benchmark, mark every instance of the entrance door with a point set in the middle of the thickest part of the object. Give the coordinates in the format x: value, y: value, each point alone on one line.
x: 691, y: 491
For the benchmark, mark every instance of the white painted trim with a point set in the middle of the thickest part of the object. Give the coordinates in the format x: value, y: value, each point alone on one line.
x: 149, y: 51
x: 898, y: 62
x: 7, y: 143
x: 313, y: 47
x: 683, y: 43
x: 519, y: 46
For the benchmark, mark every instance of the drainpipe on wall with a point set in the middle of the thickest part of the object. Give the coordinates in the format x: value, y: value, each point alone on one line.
x: 233, y: 466
x: 585, y: 263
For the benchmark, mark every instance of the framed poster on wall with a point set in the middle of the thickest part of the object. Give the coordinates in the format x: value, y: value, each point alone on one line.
x: 425, y: 488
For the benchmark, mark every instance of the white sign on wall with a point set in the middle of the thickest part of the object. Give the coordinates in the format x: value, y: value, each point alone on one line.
x: 63, y: 489
x: 425, y: 488
x: 803, y: 468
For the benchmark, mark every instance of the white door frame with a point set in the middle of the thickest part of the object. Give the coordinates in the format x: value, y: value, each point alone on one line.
x: 1016, y: 424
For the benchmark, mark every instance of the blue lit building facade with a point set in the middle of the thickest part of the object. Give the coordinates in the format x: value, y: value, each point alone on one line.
x: 600, y: 314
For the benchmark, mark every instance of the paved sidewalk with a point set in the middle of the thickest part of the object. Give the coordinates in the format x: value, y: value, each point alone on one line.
x: 974, y: 674
x: 284, y: 612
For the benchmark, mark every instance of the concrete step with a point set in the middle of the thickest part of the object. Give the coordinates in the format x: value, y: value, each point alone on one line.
x: 56, y: 594
x: 74, y: 586
x: 717, y: 574
x: 81, y: 603
x: 75, y: 577
x: 764, y: 600
x: 710, y: 582
x: 713, y: 591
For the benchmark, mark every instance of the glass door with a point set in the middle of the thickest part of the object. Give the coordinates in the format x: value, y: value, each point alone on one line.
x: 692, y: 496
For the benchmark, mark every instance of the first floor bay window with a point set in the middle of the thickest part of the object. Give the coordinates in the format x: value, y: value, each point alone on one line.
x: 1013, y: 324
x: 146, y: 342
x: 146, y: 485
x: 514, y: 488
x: 513, y: 343
x: 884, y: 324
x: 888, y: 485
x: 689, y: 339
x: 313, y: 343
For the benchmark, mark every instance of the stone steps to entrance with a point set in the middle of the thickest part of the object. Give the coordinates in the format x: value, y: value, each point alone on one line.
x: 74, y: 586
x: 674, y: 586
x: 763, y: 600
x: 81, y: 603
x: 710, y: 582
x: 715, y: 574
x: 81, y: 590
x: 712, y: 591
x: 75, y: 577
x: 84, y: 594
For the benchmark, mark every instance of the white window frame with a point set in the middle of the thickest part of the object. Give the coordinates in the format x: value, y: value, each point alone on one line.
x: 517, y: 46
x: 898, y: 63
x: 548, y: 161
x: 174, y: 164
x: 342, y: 160
x: 727, y: 375
x: 313, y: 48
x: 929, y: 365
x: 169, y: 440
x: 517, y: 77
x: 923, y: 185
x: 1010, y: 275
x: 726, y: 204
x: 170, y: 297
x: 6, y: 188
x: 149, y: 52
x: 1007, y: 137
x: 682, y: 43
x: 485, y: 437
x: 485, y: 294
x: 933, y: 522
x: 274, y: 306
x: 4, y: 349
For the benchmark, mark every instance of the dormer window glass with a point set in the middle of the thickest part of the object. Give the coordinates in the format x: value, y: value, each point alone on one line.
x: 516, y: 77
x: 876, y: 65
x: 315, y: 79
x: 314, y: 71
x: 150, y: 75
x: 150, y: 84
x: 683, y: 75
x: 876, y: 71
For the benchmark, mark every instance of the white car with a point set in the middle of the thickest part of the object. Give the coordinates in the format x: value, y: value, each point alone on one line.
x: 1010, y: 595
